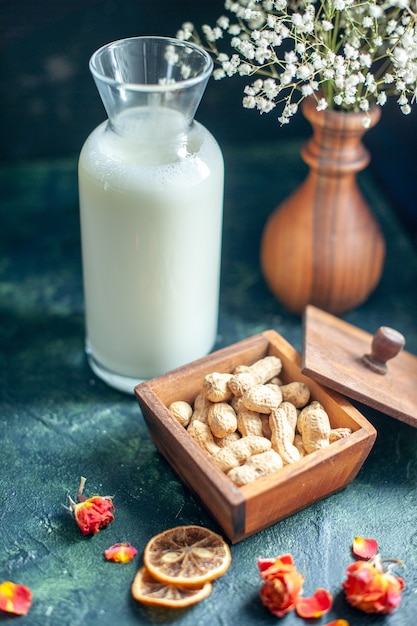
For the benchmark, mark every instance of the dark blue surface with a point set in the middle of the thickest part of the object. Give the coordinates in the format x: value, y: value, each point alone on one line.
x: 59, y: 422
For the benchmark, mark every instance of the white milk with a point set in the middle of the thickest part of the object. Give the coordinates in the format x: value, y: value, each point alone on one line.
x: 151, y: 246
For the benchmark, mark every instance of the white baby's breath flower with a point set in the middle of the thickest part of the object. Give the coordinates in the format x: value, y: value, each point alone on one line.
x: 271, y: 89
x: 327, y: 25
x: 365, y: 60
x: 366, y: 122
x: 307, y: 90
x: 265, y: 105
x: 367, y: 22
x: 219, y: 73
x: 186, y: 32
x: 304, y: 72
x: 364, y: 105
x: 400, y: 56
x: 234, y: 30
x: 223, y: 22
x: 249, y: 102
x: 357, y: 52
x: 245, y: 69
x: 375, y: 11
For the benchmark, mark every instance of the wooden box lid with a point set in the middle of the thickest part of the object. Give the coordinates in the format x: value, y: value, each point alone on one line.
x: 373, y: 369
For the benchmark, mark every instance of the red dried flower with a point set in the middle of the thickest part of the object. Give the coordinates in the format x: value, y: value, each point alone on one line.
x: 314, y: 606
x: 14, y: 598
x: 282, y: 584
x: 370, y: 588
x: 91, y: 514
x: 120, y: 553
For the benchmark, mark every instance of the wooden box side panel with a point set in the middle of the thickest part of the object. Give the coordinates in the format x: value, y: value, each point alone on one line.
x: 309, y: 480
x: 223, y: 500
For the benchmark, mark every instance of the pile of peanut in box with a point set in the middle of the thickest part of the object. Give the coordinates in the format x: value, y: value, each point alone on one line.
x: 251, y: 424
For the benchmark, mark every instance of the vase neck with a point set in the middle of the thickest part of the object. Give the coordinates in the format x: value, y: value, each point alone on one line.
x: 336, y: 144
x: 157, y: 79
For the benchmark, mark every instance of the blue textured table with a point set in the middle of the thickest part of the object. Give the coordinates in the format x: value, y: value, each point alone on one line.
x: 59, y: 422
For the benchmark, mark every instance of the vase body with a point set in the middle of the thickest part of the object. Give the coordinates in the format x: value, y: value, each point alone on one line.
x: 322, y: 245
x: 151, y: 200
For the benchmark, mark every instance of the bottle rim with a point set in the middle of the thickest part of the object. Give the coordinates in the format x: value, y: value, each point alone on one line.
x: 203, y: 74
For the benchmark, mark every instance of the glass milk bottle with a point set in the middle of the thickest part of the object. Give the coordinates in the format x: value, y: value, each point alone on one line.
x: 151, y: 203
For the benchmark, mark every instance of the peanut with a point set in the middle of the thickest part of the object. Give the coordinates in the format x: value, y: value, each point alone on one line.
x: 297, y: 393
x: 201, y: 409
x: 262, y: 398
x: 222, y: 419
x: 248, y: 422
x: 259, y: 373
x: 291, y: 414
x: 182, y: 412
x: 241, y: 368
x: 283, y: 436
x: 222, y: 442
x: 314, y: 426
x: 237, y: 452
x: 266, y: 428
x: 256, y: 466
x: 203, y: 436
x: 298, y: 442
x: 215, y: 387
x: 339, y: 433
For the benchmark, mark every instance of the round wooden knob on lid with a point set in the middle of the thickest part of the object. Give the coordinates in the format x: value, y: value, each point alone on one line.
x: 342, y: 363
x: 386, y: 344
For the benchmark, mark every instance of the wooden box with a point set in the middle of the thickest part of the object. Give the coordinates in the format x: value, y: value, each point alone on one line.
x: 246, y: 510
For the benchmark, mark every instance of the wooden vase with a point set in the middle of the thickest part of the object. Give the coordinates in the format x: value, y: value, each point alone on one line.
x: 322, y: 245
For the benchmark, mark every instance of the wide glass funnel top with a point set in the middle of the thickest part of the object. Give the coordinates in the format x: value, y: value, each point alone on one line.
x: 152, y: 72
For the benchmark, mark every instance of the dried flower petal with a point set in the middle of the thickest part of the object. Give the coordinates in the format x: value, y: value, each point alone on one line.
x: 364, y: 548
x: 282, y: 584
x: 371, y: 589
x: 338, y: 622
x: 14, y: 598
x: 92, y: 514
x: 314, y: 606
x: 120, y: 553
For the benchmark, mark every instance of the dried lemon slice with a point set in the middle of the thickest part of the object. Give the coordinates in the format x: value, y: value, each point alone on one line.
x: 147, y: 590
x: 187, y: 555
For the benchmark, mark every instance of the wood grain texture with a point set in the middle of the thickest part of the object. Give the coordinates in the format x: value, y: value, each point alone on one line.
x: 243, y: 512
x: 337, y: 363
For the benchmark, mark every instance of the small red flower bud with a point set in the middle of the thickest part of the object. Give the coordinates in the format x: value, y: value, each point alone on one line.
x: 282, y: 584
x: 370, y: 588
x: 92, y: 514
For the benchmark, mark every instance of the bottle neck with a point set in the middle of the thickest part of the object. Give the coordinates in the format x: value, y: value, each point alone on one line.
x: 155, y: 136
x: 159, y: 125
